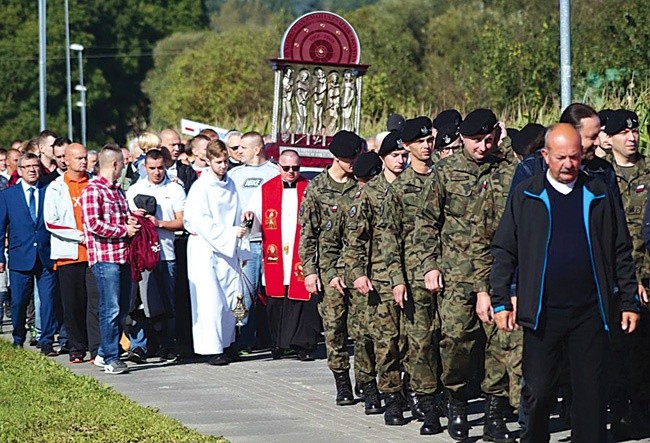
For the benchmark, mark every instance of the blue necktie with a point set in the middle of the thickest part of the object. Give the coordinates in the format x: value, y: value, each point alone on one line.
x: 32, y: 203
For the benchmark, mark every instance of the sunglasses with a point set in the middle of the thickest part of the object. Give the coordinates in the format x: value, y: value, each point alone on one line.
x: 234, y: 148
x: 290, y: 168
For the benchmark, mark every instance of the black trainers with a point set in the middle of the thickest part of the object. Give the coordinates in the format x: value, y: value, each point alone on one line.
x: 137, y: 355
x: 48, y: 351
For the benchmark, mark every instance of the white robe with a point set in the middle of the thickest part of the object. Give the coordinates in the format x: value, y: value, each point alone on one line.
x: 212, y: 217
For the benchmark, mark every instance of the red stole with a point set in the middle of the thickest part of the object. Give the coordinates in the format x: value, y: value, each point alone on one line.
x: 272, y: 256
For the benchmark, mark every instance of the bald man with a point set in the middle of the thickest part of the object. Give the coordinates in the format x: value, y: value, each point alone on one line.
x: 177, y: 171
x: 564, y: 228
x: 108, y: 228
x: 79, y: 294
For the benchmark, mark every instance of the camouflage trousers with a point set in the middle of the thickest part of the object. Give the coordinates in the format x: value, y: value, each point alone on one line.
x: 421, y: 327
x: 333, y: 309
x: 359, y: 328
x: 384, y: 326
x: 503, y: 353
x: 461, y: 338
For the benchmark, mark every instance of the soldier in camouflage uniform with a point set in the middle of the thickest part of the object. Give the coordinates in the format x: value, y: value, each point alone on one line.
x: 367, y: 268
x: 397, y: 218
x: 503, y: 350
x: 442, y: 242
x: 629, y: 389
x: 320, y: 250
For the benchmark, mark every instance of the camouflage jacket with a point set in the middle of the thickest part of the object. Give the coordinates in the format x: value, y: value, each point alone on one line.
x: 322, y: 220
x: 634, y: 184
x: 487, y: 214
x: 397, y: 217
x: 364, y: 253
x: 444, y: 223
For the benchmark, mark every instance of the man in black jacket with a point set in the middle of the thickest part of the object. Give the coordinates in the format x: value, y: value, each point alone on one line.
x: 568, y: 238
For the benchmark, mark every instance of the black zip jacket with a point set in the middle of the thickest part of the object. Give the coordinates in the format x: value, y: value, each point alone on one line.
x: 522, y: 241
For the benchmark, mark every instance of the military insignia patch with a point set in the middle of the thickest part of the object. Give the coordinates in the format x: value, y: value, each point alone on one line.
x: 353, y: 211
x: 335, y: 208
x: 328, y: 226
x: 640, y: 188
x: 358, y: 194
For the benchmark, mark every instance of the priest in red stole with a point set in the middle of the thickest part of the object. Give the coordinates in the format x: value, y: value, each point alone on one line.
x: 292, y: 312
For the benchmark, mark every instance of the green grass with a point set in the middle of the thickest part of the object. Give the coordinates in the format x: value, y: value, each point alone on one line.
x: 40, y: 401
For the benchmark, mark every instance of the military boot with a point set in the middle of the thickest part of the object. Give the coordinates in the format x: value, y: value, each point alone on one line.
x: 393, y: 415
x: 457, y: 426
x: 371, y: 398
x: 494, y: 428
x: 344, y: 396
x: 414, y: 404
x: 431, y: 423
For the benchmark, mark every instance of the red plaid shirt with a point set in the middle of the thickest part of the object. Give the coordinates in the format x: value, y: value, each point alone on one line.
x: 105, y: 211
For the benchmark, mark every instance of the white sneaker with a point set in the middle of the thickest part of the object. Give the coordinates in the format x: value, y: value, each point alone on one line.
x: 99, y: 361
x: 117, y: 367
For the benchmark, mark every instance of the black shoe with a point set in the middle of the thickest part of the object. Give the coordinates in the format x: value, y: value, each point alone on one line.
x: 494, y: 428
x: 64, y: 349
x: 431, y: 425
x: 457, y: 425
x: 344, y: 395
x: 168, y: 356
x: 277, y: 353
x: 33, y: 342
x: 48, y: 351
x: 219, y: 360
x: 371, y: 398
x: 137, y: 355
x: 394, y: 415
x: 414, y: 405
x: 304, y: 356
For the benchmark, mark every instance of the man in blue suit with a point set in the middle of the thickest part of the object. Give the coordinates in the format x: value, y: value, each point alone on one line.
x: 21, y: 212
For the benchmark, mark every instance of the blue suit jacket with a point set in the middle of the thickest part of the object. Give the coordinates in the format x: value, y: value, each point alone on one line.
x: 27, y: 240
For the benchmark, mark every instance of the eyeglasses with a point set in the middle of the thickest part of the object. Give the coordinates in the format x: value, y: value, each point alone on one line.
x: 234, y: 148
x: 290, y: 168
x: 29, y: 167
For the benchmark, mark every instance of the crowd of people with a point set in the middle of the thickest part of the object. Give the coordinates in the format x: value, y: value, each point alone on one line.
x: 462, y: 258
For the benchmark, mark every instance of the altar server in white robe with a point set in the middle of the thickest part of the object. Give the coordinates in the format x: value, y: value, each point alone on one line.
x: 215, y: 250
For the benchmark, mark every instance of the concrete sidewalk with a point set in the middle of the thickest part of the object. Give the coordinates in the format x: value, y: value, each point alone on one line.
x: 260, y: 400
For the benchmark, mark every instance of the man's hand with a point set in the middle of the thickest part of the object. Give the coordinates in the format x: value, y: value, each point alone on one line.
x: 505, y: 321
x: 131, y: 220
x: 400, y: 295
x: 433, y: 280
x: 643, y: 294
x: 140, y: 212
x: 313, y: 284
x: 241, y: 232
x: 247, y: 215
x: 2, y: 268
x: 82, y: 240
x: 131, y: 230
x: 363, y: 285
x: 156, y: 223
x: 629, y: 321
x: 484, y: 308
x: 338, y: 284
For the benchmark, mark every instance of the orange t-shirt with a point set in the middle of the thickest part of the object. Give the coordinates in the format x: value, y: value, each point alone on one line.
x: 76, y: 187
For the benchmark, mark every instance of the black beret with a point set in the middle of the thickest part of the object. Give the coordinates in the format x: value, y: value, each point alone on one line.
x: 446, y: 118
x: 416, y: 128
x: 367, y: 164
x: 346, y: 144
x: 512, y: 132
x: 620, y: 120
x: 395, y: 122
x: 392, y: 142
x: 446, y: 136
x: 529, y: 139
x: 604, y: 116
x: 478, y: 122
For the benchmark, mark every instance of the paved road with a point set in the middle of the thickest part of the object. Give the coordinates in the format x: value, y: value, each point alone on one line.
x: 260, y: 400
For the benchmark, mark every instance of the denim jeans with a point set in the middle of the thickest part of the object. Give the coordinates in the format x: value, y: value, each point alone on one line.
x: 252, y: 272
x: 164, y: 276
x: 114, y: 283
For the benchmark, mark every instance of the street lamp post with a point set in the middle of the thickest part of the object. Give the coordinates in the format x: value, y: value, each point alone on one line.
x: 68, y: 80
x: 79, y: 49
